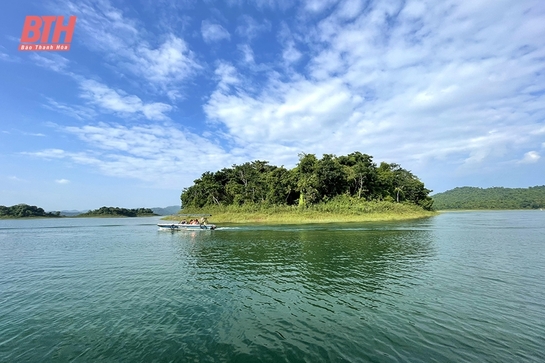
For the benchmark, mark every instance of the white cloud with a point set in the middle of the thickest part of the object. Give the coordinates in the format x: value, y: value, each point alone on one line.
x: 290, y: 53
x: 164, y: 65
x: 160, y: 154
x: 4, y: 55
x: 171, y: 63
x: 213, y: 32
x: 317, y: 6
x: 118, y: 101
x: 48, y: 154
x: 300, y: 113
x: 530, y: 157
x: 52, y: 61
x: 227, y: 75
x: 349, y: 9
x: 248, y: 53
x: 15, y: 179
x: 76, y: 111
x: 408, y: 83
x: 62, y: 181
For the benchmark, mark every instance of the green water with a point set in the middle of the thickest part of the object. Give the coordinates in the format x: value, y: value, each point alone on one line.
x: 459, y: 287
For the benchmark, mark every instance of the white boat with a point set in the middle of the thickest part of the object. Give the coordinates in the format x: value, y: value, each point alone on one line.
x: 184, y: 225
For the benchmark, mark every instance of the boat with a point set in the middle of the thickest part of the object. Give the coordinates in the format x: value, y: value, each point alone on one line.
x: 184, y: 225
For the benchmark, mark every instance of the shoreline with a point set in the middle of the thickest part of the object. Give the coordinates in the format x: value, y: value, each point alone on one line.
x: 307, y: 218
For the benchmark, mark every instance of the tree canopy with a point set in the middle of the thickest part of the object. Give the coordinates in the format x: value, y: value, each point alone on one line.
x: 491, y: 198
x: 312, y: 181
x: 116, y: 212
x: 25, y: 211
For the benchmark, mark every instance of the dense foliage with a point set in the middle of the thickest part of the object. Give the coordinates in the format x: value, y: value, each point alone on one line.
x: 118, y: 212
x: 311, y: 182
x: 25, y: 211
x: 491, y: 198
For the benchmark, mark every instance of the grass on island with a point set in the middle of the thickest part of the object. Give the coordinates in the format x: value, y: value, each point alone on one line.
x: 362, y: 211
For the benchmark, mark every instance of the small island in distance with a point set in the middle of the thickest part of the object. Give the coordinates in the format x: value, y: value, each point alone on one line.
x: 118, y: 212
x: 32, y: 211
x: 26, y: 211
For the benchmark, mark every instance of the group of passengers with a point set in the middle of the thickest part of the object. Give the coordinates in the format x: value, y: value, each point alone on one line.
x: 194, y: 221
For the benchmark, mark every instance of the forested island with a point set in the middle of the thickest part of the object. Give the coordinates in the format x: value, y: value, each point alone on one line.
x: 26, y: 211
x: 333, y: 188
x: 118, y: 212
x: 491, y: 198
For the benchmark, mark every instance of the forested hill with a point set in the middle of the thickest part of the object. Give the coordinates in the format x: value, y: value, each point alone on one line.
x: 491, y: 198
x: 25, y: 211
x: 118, y: 212
x: 312, y: 181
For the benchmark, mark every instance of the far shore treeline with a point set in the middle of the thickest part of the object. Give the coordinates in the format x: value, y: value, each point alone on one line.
x: 313, y: 181
x: 491, y: 198
x: 32, y: 211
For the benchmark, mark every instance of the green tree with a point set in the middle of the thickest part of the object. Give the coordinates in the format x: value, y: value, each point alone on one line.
x: 361, y: 174
x: 331, y: 178
x: 282, y: 186
x: 307, y: 181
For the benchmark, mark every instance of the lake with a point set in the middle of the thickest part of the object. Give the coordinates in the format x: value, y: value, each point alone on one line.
x: 458, y: 287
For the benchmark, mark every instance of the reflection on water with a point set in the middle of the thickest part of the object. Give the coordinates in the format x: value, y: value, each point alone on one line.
x: 335, y: 260
x: 458, y: 287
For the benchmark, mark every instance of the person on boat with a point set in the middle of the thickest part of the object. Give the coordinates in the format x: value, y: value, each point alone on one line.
x: 183, y: 221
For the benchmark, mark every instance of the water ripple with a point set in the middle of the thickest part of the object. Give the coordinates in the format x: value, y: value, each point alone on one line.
x: 449, y: 289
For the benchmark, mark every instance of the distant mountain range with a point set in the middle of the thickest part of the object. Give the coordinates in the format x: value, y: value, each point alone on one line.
x: 73, y: 212
x: 173, y: 209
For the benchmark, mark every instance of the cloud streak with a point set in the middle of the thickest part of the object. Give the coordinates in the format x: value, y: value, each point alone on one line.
x: 164, y: 63
x: 112, y: 100
x: 161, y: 154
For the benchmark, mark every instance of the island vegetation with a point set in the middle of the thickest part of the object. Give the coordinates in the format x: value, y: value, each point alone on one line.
x: 491, y: 198
x: 32, y: 211
x: 118, y: 212
x: 26, y: 211
x: 333, y: 188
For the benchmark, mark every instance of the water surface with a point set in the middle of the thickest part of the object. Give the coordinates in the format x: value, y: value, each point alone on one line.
x: 465, y: 286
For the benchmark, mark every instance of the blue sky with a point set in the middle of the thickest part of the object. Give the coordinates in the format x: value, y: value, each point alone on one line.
x: 154, y: 93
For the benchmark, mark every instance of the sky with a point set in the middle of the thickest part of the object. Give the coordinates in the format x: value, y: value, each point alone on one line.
x: 153, y: 93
